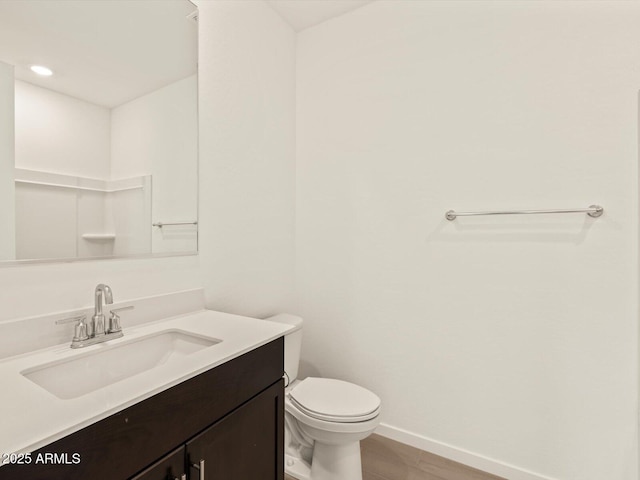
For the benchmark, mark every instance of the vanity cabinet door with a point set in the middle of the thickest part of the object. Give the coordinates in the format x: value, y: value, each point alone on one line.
x: 170, y: 467
x: 247, y: 444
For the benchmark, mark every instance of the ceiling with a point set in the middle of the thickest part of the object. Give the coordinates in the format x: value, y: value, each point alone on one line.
x: 98, y: 54
x: 301, y: 14
x: 96, y: 48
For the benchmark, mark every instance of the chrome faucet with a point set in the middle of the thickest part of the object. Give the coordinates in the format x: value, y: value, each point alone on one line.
x: 96, y: 327
x: 93, y: 332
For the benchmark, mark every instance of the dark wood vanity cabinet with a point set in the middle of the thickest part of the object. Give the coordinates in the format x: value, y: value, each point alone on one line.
x: 230, y: 418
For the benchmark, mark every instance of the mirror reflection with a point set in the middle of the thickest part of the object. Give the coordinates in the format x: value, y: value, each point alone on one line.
x: 98, y: 128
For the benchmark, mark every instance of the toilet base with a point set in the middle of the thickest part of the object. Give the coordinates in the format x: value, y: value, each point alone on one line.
x: 330, y: 462
x: 336, y: 462
x: 297, y: 468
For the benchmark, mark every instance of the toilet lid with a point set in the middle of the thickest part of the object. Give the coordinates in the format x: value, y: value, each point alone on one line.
x: 335, y: 400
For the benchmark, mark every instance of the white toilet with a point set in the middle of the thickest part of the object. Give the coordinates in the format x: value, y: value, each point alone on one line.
x: 325, y: 419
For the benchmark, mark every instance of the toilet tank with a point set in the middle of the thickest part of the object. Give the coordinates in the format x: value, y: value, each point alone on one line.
x: 292, y: 343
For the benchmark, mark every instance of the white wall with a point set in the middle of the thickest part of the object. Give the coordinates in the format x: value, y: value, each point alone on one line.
x: 61, y: 134
x: 157, y: 135
x: 247, y: 157
x: 40, y: 289
x: 511, y: 338
x: 7, y: 146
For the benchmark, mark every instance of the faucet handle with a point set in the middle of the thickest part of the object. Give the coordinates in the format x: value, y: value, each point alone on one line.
x: 80, y: 331
x: 114, y: 318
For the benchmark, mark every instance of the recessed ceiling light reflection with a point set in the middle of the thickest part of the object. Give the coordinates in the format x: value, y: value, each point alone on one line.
x: 40, y: 70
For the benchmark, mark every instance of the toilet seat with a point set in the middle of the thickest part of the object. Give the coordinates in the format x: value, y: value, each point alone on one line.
x: 332, y: 400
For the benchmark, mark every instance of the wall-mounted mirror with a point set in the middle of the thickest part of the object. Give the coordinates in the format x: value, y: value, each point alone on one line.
x: 98, y: 154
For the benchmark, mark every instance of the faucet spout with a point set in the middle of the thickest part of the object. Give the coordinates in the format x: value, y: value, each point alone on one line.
x: 103, y: 292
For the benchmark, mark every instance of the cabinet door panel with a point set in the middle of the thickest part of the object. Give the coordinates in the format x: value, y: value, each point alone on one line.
x: 245, y: 445
x: 170, y: 467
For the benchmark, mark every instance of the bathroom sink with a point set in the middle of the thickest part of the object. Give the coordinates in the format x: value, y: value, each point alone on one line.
x: 106, y: 364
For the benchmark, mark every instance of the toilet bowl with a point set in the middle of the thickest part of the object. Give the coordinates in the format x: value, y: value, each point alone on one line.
x: 325, y: 419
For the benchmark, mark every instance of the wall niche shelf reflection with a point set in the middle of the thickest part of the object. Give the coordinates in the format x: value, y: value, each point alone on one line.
x: 99, y: 237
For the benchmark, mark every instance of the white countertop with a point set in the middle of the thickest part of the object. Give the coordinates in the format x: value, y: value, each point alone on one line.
x: 31, y: 417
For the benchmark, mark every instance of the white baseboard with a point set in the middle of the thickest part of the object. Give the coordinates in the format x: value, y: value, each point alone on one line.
x: 459, y: 455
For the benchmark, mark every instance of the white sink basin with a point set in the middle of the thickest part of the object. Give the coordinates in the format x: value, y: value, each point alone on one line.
x: 106, y: 364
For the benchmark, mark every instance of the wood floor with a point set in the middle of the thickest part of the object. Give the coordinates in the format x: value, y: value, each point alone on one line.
x: 384, y: 459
